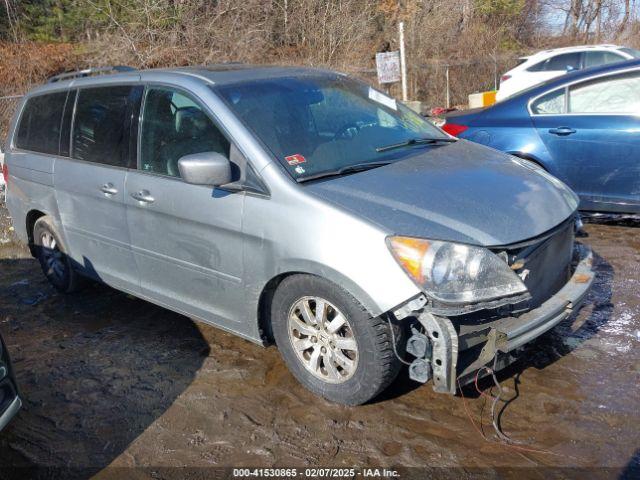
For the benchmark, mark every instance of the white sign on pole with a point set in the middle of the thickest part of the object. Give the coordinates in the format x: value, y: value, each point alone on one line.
x: 388, y: 66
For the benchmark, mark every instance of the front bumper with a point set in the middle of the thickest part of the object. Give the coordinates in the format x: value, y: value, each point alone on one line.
x: 459, y: 351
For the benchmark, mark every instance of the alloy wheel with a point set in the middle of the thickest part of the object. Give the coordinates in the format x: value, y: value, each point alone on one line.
x: 323, y: 339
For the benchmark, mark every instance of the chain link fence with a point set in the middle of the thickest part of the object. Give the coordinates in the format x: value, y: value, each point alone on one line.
x: 8, y: 105
x: 439, y: 83
x: 449, y: 84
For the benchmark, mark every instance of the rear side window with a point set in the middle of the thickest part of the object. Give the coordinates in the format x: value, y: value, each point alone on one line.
x: 101, y: 126
x: 41, y: 123
x: 563, y: 62
x: 614, y: 94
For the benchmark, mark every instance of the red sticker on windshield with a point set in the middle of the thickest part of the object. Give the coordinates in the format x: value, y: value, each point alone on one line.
x: 295, y: 159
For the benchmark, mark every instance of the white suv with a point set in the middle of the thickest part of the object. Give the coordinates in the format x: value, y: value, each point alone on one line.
x: 547, y: 64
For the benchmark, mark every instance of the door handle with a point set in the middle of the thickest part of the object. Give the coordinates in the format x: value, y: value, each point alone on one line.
x: 562, y: 131
x: 143, y: 196
x: 108, y: 189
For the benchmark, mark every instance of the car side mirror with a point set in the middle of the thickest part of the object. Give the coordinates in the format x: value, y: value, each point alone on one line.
x: 570, y: 68
x: 207, y: 168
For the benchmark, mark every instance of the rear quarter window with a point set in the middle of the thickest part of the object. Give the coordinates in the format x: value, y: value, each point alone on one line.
x: 552, y: 103
x: 41, y: 123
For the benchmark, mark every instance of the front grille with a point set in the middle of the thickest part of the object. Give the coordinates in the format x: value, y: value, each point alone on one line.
x: 545, y: 266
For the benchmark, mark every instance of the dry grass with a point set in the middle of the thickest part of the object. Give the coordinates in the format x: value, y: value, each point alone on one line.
x: 26, y: 64
x: 339, y: 34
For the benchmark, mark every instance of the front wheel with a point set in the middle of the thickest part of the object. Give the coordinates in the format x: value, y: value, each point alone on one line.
x: 330, y: 342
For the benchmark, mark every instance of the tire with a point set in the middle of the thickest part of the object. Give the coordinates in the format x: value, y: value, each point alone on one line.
x: 53, y: 258
x: 373, y: 364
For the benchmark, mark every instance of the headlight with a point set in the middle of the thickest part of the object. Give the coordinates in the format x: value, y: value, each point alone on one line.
x: 455, y: 273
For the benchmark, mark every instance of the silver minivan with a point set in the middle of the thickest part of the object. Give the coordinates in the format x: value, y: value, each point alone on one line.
x: 299, y: 206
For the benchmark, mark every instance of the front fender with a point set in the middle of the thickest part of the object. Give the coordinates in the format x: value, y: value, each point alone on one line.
x: 310, y: 267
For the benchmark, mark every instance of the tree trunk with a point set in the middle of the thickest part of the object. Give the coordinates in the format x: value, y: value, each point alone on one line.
x: 625, y: 18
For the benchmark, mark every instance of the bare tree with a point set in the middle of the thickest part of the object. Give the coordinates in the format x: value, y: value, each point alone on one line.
x: 625, y: 18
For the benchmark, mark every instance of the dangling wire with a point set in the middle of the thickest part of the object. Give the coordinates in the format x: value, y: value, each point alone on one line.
x: 495, y: 399
x: 504, y: 439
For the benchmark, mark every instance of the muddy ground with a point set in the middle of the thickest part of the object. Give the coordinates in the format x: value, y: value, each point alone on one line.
x: 112, y: 381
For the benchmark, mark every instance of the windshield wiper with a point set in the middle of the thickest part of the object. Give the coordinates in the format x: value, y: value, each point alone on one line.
x: 357, y: 167
x: 415, y: 141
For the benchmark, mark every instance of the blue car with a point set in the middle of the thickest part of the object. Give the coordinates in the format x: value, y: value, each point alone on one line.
x: 583, y: 128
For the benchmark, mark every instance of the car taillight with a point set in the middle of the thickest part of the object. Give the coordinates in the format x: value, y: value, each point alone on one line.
x: 454, y: 129
x: 504, y: 78
x: 5, y: 173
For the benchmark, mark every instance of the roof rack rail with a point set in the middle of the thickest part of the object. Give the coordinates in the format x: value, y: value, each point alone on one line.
x: 90, y: 71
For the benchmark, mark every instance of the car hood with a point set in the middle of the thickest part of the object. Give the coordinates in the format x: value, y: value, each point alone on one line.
x: 461, y: 192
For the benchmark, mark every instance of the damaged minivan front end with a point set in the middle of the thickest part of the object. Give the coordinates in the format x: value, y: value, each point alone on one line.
x: 480, y: 305
x: 487, y: 239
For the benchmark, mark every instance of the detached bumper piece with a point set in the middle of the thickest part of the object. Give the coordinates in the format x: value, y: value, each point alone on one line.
x: 450, y: 351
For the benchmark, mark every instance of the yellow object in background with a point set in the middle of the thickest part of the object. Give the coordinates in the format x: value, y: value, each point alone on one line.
x: 482, y: 99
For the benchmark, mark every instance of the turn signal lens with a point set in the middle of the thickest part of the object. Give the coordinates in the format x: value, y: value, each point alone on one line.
x: 410, y: 252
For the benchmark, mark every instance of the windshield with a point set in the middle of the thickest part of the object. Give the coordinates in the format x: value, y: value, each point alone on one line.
x: 316, y: 124
x: 631, y: 51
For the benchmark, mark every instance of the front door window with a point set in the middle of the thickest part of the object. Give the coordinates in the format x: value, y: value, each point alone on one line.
x: 174, y: 125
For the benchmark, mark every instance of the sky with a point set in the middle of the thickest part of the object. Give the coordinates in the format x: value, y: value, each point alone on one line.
x: 554, y: 17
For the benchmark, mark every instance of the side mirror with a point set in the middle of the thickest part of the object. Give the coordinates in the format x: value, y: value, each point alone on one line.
x: 207, y: 168
x: 570, y: 68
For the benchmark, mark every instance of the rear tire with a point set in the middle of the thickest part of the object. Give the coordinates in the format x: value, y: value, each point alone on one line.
x: 52, y: 255
x: 330, y: 342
